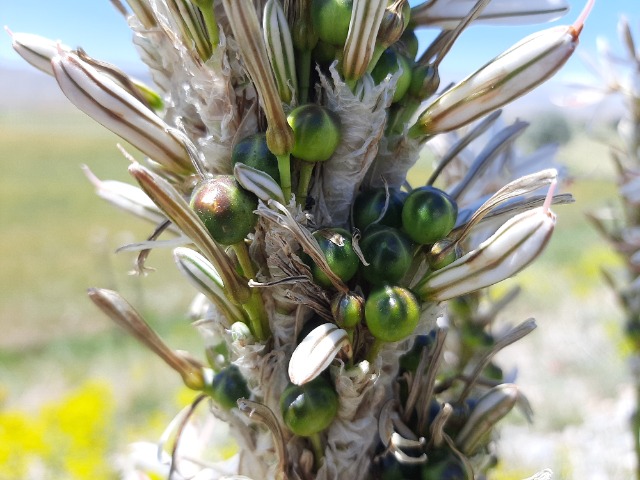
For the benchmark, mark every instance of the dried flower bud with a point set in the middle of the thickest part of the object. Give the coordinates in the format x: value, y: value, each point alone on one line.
x: 361, y: 40
x: 491, y: 407
x: 100, y: 97
x: 277, y: 39
x: 516, y: 244
x: 394, y: 21
x: 446, y: 14
x: 515, y: 72
x: 36, y: 50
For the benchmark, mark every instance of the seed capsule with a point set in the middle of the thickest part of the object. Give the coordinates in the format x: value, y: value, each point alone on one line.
x: 254, y: 152
x: 348, y: 309
x: 389, y: 63
x: 331, y: 20
x: 372, y: 206
x: 391, y: 313
x: 388, y: 252
x: 310, y: 408
x: 316, y: 131
x: 337, y: 248
x: 428, y: 215
x: 226, y: 209
x: 227, y: 386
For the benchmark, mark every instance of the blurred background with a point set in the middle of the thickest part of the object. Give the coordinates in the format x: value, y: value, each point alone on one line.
x: 74, y: 390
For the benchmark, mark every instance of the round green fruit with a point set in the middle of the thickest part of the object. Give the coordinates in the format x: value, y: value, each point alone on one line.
x: 253, y: 151
x: 228, y: 386
x: 391, y: 313
x: 388, y: 64
x: 429, y: 215
x: 310, y: 408
x: 225, y: 208
x: 337, y: 248
x: 369, y: 205
x: 388, y: 252
x: 347, y: 309
x: 330, y: 19
x: 316, y: 132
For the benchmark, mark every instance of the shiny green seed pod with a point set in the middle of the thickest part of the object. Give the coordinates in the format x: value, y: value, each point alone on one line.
x: 425, y: 81
x: 310, y: 408
x: 347, y: 309
x: 324, y: 53
x: 254, y: 152
x: 369, y: 205
x: 437, y: 259
x: 429, y: 215
x: 225, y: 208
x: 316, y: 132
x: 389, y: 63
x: 388, y: 252
x: 331, y: 20
x: 227, y: 387
x: 337, y: 248
x: 391, y: 313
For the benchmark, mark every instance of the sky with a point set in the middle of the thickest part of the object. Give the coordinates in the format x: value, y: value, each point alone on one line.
x: 103, y: 33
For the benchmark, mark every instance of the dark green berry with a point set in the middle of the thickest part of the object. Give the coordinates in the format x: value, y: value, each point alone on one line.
x: 225, y: 208
x: 369, y: 205
x: 347, y: 309
x: 335, y: 244
x: 310, y: 408
x: 316, y: 132
x: 391, y: 313
x: 253, y: 151
x: 428, y: 215
x: 228, y: 386
x: 389, y: 63
x: 331, y: 20
x: 388, y: 252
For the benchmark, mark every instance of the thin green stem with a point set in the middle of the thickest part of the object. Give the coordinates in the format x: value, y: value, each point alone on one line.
x: 306, y: 169
x: 303, y: 65
x: 242, y: 253
x: 209, y: 16
x: 373, y: 352
x: 284, y: 167
x: 318, y: 450
x: 258, y: 318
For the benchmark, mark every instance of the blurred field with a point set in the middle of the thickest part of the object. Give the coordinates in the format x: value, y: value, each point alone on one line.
x: 57, y: 239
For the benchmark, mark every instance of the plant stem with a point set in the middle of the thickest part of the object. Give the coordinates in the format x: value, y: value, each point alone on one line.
x: 284, y: 167
x: 635, y: 430
x: 209, y: 16
x: 303, y: 65
x: 306, y: 169
x: 318, y: 450
x: 373, y: 352
x: 258, y: 319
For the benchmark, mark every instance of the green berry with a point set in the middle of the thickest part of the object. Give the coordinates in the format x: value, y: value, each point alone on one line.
x: 228, y: 386
x: 335, y: 244
x: 369, y: 205
x: 347, y: 309
x: 428, y: 215
x: 253, y: 151
x: 331, y: 20
x: 437, y: 260
x: 388, y: 64
x: 310, y: 408
x: 388, y: 252
x: 225, y: 208
x: 391, y: 313
x: 316, y: 132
